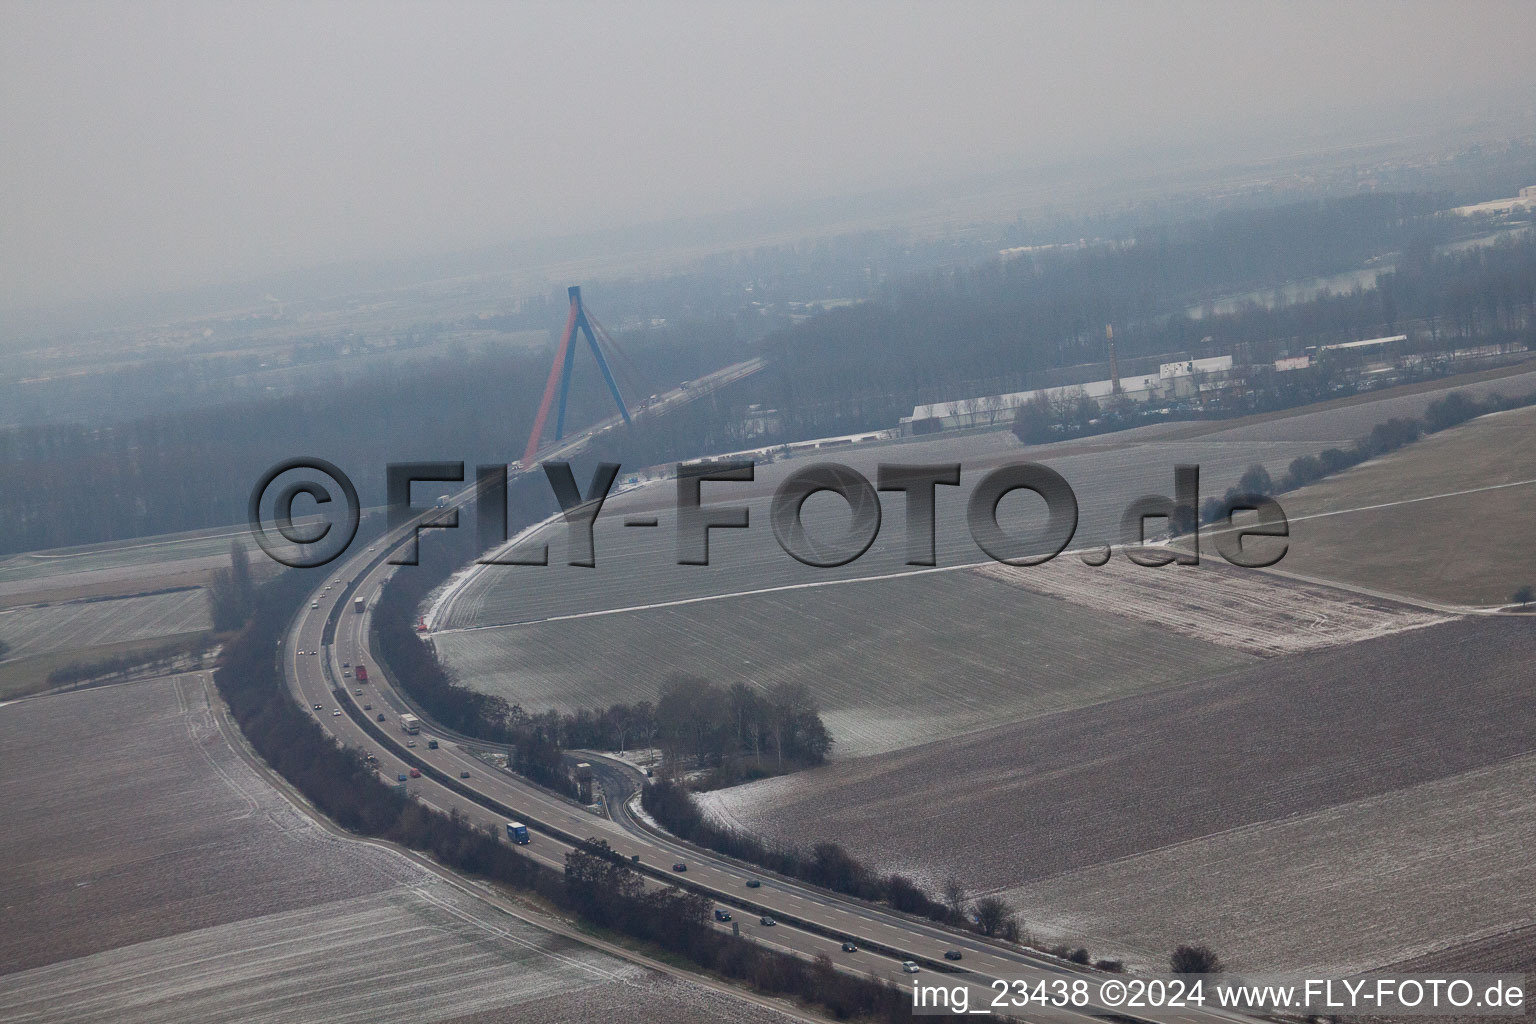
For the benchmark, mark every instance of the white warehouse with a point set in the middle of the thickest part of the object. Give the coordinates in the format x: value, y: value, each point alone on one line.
x: 1173, y: 381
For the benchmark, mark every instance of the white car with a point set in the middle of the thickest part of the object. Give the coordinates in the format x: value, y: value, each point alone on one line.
x: 336, y: 713
x: 908, y: 967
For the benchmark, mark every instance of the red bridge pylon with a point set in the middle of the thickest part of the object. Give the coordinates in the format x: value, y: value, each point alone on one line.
x: 560, y: 372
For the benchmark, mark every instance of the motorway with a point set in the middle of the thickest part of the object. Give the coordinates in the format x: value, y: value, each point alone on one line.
x: 812, y: 921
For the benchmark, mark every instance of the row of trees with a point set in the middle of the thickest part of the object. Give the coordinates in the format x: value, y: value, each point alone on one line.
x: 606, y: 890
x: 832, y: 867
x: 738, y: 733
x: 701, y: 722
x: 232, y: 592
x: 154, y: 660
x: 1442, y: 414
x: 829, y: 866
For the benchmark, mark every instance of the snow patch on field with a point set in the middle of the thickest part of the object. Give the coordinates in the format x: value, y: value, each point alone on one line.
x: 1257, y: 613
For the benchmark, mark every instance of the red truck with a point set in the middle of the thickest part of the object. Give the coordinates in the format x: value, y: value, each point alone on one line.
x: 362, y: 673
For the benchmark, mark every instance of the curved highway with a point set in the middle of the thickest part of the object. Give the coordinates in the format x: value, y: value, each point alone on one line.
x: 320, y: 670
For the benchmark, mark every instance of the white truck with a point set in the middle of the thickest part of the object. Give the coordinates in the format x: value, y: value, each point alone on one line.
x: 410, y: 724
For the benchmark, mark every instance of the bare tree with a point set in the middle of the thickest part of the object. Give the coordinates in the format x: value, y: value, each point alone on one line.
x: 1195, y: 959
x: 993, y: 916
x: 954, y: 895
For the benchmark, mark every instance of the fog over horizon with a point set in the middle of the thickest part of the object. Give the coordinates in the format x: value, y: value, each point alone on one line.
x: 170, y: 145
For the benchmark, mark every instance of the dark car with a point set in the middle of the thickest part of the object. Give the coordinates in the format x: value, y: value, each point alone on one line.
x: 753, y: 883
x: 953, y: 954
x: 463, y: 775
x: 381, y: 716
x: 431, y: 744
x: 401, y: 776
x: 722, y: 915
x: 766, y: 920
x: 679, y: 866
x: 367, y: 707
x: 319, y: 707
x: 849, y: 947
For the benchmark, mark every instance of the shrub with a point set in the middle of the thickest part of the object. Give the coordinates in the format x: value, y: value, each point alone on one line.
x: 1392, y: 435
x: 1304, y: 470
x: 1256, y: 480
x: 1336, y: 460
x: 1195, y: 959
x: 1449, y: 411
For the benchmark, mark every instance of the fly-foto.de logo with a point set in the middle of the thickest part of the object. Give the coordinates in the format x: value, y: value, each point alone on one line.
x: 1251, y: 530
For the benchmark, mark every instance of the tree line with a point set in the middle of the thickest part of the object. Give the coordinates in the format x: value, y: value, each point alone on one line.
x: 999, y: 327
x: 829, y: 866
x: 158, y: 659
x: 64, y: 484
x: 1453, y: 410
x: 735, y: 734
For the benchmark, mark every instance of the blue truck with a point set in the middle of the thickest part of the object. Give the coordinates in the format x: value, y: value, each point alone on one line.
x: 517, y: 832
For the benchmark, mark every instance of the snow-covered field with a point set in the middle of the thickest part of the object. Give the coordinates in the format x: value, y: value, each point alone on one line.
x: 1348, y: 807
x: 152, y: 876
x: 1344, y: 889
x: 893, y: 663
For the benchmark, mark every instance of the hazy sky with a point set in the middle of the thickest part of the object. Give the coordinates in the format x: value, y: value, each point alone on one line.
x: 154, y: 145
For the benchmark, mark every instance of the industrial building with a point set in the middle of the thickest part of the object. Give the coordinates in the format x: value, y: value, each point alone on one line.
x: 1182, y: 380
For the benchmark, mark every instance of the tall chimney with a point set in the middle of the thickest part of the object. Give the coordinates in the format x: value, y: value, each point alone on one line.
x: 1114, y: 364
